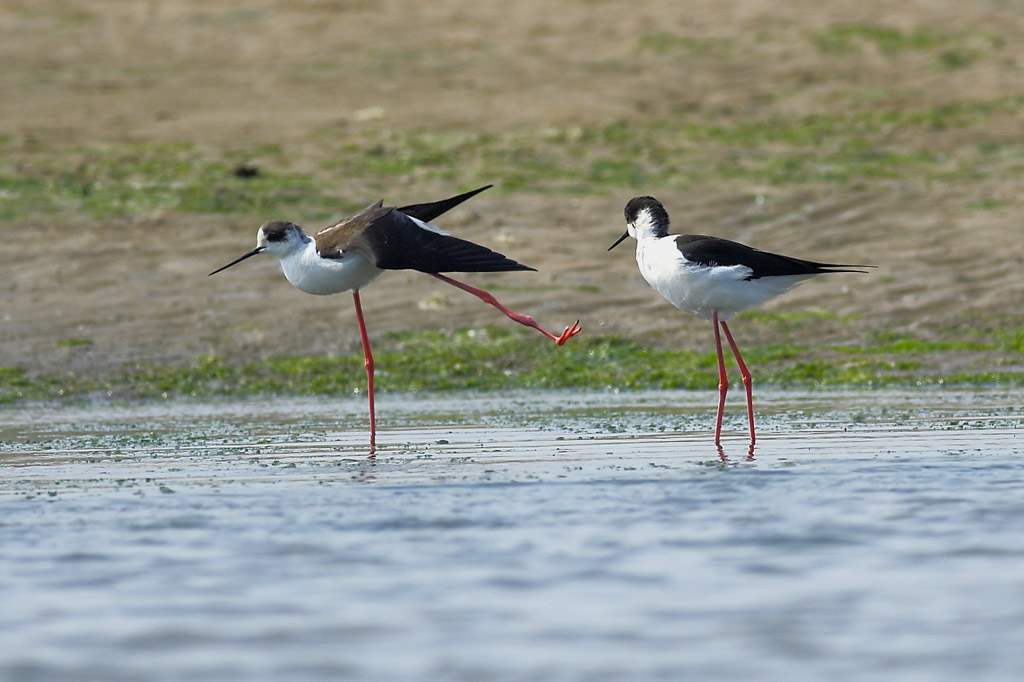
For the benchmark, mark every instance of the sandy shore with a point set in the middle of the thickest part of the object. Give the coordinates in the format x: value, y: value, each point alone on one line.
x: 86, y: 295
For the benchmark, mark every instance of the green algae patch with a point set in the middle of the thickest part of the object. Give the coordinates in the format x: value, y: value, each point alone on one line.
x: 494, y: 359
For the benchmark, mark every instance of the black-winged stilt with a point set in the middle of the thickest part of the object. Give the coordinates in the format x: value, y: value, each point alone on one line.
x: 714, y: 279
x: 348, y: 255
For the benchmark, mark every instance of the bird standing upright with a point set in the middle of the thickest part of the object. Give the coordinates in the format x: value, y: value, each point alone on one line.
x: 348, y: 255
x: 714, y: 279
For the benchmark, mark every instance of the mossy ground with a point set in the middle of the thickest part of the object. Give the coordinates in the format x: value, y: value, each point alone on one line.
x: 852, y: 147
x: 499, y: 359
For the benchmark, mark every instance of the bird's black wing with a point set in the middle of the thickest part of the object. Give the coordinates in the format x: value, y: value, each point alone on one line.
x: 711, y: 251
x: 392, y: 241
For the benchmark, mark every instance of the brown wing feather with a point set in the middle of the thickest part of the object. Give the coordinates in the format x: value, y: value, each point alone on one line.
x: 334, y: 239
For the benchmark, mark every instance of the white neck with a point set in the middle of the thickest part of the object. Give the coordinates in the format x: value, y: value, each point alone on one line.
x: 646, y: 227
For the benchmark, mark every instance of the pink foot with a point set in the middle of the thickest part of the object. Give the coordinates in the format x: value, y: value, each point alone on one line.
x: 569, y: 333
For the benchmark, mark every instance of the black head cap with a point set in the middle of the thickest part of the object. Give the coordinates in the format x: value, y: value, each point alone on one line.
x: 277, y: 230
x: 657, y: 212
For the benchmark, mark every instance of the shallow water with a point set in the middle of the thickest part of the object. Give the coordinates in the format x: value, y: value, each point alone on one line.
x: 549, y: 536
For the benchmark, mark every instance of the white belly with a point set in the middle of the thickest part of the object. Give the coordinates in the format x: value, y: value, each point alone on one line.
x: 702, y: 290
x: 310, y: 273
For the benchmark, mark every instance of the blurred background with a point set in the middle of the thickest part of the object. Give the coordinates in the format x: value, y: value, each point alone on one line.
x: 143, y: 143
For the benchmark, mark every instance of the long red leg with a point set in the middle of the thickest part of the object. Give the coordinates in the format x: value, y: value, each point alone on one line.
x: 723, y: 381
x: 748, y: 381
x: 521, y: 319
x: 368, y: 362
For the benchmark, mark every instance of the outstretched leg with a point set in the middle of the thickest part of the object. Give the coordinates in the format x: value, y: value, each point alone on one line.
x: 748, y: 381
x: 723, y: 381
x: 521, y: 319
x: 368, y: 362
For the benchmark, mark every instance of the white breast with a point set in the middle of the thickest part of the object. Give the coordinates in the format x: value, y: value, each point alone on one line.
x: 310, y: 273
x: 701, y: 289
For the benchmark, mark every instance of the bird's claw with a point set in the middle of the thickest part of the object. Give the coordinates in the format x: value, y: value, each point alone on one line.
x: 569, y: 333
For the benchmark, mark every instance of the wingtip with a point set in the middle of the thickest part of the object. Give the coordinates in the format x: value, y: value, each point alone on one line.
x: 432, y: 209
x: 509, y: 266
x: 849, y: 268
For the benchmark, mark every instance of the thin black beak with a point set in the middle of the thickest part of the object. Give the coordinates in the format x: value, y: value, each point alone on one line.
x: 617, y: 242
x: 249, y: 254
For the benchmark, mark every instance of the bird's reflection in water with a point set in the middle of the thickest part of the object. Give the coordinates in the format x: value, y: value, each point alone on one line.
x: 724, y: 459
